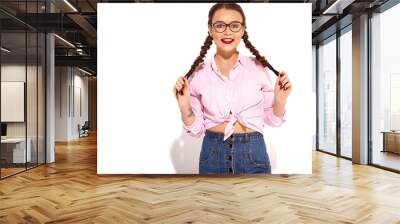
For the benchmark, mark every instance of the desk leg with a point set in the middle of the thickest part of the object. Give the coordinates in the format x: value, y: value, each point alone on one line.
x: 384, y: 142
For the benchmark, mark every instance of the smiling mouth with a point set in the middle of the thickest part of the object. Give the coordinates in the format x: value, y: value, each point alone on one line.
x: 226, y: 40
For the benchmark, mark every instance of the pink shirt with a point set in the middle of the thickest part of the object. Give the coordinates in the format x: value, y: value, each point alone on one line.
x: 247, y: 92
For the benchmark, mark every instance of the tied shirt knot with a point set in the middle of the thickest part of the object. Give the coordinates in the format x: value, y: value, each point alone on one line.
x: 229, y: 129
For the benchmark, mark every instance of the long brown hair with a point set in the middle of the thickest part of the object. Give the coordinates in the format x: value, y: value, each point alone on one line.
x: 208, y: 41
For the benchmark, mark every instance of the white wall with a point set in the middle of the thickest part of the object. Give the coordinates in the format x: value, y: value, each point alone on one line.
x: 81, y: 83
x: 15, y: 72
x: 68, y: 83
x: 61, y: 103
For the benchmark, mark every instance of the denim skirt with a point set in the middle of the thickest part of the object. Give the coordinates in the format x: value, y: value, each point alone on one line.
x: 241, y: 153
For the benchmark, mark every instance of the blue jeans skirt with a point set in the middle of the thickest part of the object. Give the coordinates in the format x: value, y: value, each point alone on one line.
x: 241, y: 153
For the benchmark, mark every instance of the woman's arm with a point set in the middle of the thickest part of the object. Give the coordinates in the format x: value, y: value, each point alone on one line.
x: 274, y: 112
x: 187, y: 116
x: 279, y: 108
x: 192, y: 116
x: 274, y: 104
x: 282, y: 90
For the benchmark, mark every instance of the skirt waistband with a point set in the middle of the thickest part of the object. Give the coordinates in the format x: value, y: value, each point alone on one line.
x: 236, y: 136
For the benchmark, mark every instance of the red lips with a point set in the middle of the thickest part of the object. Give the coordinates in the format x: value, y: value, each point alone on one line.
x: 226, y: 40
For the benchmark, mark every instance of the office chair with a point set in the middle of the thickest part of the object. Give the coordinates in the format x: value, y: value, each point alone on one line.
x: 84, y: 130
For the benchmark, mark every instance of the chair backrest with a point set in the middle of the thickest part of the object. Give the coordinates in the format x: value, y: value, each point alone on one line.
x: 86, y: 125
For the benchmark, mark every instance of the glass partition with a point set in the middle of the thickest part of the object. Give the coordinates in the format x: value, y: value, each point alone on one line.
x: 346, y: 92
x: 385, y: 89
x: 41, y: 86
x: 22, y: 67
x: 13, y: 105
x: 327, y: 95
x: 32, y: 95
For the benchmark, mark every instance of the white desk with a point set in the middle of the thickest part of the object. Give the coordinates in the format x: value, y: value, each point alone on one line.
x: 18, y: 149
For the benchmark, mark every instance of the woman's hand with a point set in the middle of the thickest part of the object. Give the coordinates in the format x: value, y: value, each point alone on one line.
x: 183, y: 100
x: 283, y: 88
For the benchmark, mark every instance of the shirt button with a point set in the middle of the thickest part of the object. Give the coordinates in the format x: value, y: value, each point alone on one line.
x: 230, y: 170
x: 230, y: 157
x: 230, y: 145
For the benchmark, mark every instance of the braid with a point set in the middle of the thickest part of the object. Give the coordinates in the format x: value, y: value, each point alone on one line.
x: 255, y: 52
x: 200, y: 58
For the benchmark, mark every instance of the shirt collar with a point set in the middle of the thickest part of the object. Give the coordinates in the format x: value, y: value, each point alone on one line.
x: 214, y: 66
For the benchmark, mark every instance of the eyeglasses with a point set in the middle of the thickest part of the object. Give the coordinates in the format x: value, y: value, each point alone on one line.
x: 220, y: 26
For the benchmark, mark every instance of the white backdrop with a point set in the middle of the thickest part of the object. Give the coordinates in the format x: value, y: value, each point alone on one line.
x: 144, y: 47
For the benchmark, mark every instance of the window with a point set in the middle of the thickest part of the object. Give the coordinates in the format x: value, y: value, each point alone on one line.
x: 346, y: 92
x: 385, y: 88
x: 327, y: 95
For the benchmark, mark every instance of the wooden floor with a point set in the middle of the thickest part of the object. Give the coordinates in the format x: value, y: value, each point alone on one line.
x: 5, y: 172
x: 8, y: 171
x: 70, y: 191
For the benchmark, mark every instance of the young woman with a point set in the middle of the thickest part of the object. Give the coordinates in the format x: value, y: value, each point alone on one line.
x: 230, y: 97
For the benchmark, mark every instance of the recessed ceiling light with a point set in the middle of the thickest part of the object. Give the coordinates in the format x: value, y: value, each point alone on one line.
x: 64, y: 40
x: 5, y: 49
x: 70, y: 5
x: 338, y: 6
x: 84, y: 71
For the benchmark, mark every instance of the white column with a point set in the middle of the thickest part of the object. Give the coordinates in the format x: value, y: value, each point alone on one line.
x: 360, y: 90
x: 50, y: 93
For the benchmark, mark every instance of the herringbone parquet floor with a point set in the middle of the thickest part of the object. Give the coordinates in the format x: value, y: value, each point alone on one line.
x: 70, y: 191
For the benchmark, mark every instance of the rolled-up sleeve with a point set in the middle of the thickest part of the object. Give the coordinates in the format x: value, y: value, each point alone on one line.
x: 196, y: 129
x: 269, y: 101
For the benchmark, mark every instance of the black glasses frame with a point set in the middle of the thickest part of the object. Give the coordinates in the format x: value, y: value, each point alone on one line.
x: 226, y: 25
